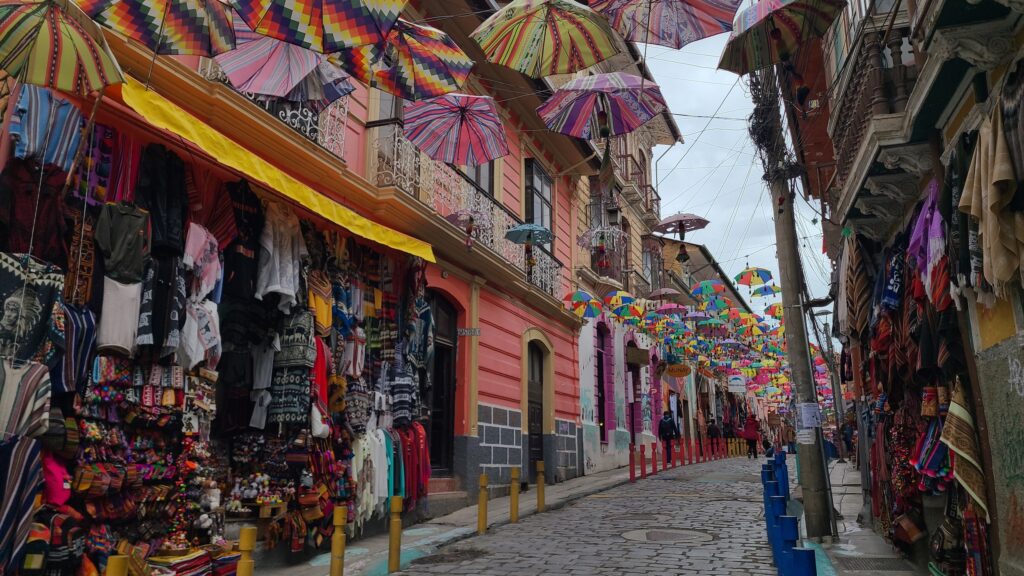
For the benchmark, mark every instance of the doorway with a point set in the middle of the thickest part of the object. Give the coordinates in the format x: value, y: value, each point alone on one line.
x: 535, y: 405
x: 442, y: 393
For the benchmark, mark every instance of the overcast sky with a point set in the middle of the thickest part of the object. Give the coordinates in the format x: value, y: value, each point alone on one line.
x: 716, y: 174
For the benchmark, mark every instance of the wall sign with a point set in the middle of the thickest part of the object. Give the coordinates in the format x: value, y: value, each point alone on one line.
x: 468, y: 331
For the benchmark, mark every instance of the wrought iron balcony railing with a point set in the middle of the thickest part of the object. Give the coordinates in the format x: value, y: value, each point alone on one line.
x: 456, y: 199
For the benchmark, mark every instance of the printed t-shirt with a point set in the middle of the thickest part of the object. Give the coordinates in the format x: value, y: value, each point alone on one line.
x: 122, y: 235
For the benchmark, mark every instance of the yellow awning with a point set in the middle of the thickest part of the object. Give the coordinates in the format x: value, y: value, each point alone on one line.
x: 163, y: 113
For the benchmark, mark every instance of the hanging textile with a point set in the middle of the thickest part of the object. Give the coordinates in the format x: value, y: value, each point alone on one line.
x: 45, y: 127
x: 32, y: 323
x: 960, y: 434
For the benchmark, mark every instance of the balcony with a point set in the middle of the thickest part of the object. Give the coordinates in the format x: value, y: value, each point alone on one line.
x: 636, y: 284
x: 454, y: 198
x: 326, y: 128
x: 652, y: 205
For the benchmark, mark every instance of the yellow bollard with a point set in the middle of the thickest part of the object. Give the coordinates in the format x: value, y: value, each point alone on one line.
x: 540, y: 486
x: 117, y: 566
x: 513, y: 497
x: 395, y: 544
x: 246, y: 544
x: 481, y: 506
x: 338, y: 540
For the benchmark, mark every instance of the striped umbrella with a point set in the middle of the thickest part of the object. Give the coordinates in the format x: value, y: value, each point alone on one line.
x: 672, y: 23
x: 55, y: 46
x: 415, y: 62
x: 753, y: 276
x: 546, y: 37
x: 456, y: 129
x: 323, y: 25
x: 602, y: 104
x: 770, y: 31
x: 263, y: 65
x: 176, y: 27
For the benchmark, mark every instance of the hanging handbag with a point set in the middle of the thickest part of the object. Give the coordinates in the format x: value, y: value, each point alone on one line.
x: 319, y: 425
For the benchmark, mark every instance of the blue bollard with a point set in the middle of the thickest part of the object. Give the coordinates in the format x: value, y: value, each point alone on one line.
x: 778, y: 510
x: 789, y: 533
x: 802, y: 562
x: 770, y: 489
x: 782, y: 477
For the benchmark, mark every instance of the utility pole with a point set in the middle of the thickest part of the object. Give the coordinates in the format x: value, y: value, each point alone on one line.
x: 780, y: 169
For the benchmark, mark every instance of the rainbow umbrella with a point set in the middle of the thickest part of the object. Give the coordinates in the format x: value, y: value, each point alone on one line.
x: 584, y: 304
x: 617, y: 298
x: 628, y: 311
x: 546, y: 37
x: 771, y: 31
x: 603, y: 105
x: 707, y: 288
x: 716, y: 304
x: 672, y: 23
x: 456, y: 129
x: 323, y: 25
x: 774, y: 310
x: 767, y: 290
x: 672, y: 309
x: 711, y: 322
x: 50, y: 44
x: 753, y: 276
x: 174, y: 27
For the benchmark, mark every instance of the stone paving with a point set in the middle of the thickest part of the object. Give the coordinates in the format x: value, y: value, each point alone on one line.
x: 704, y: 519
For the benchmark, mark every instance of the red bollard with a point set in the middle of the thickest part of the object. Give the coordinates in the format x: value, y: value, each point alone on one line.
x: 672, y: 448
x: 689, y: 451
x: 632, y: 463
x: 643, y: 461
x: 654, y: 458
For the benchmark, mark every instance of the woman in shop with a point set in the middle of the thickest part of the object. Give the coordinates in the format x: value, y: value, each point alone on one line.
x: 751, y: 434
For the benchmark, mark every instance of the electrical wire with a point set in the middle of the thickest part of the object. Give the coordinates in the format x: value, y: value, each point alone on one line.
x: 697, y: 139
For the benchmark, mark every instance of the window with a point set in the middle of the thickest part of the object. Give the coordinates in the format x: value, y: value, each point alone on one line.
x: 390, y: 106
x: 626, y: 254
x: 538, y: 195
x: 481, y: 175
x: 599, y: 385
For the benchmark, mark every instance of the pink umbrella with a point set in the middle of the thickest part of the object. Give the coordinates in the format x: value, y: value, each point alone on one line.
x: 263, y: 65
x: 456, y: 128
x: 681, y: 223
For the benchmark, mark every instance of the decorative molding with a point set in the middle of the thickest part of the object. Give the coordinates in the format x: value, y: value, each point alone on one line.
x: 914, y: 159
x: 899, y: 187
x: 985, y: 46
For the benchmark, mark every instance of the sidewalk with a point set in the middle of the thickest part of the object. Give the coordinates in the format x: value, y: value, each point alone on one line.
x: 368, y: 556
x: 859, y: 550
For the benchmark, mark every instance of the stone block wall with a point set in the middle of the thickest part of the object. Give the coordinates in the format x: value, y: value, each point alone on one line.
x: 500, y: 442
x: 566, y: 450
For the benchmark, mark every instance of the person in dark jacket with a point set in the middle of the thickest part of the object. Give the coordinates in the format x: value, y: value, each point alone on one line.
x: 668, y: 431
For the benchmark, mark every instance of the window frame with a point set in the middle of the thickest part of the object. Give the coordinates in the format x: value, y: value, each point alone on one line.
x: 472, y: 174
x: 532, y: 172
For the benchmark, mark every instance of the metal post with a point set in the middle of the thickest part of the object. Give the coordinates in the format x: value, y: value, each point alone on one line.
x: 654, y: 458
x: 117, y: 565
x: 643, y: 461
x: 340, y: 519
x: 540, y: 486
x: 513, y: 497
x: 632, y: 463
x: 481, y: 506
x: 246, y: 544
x: 395, y: 541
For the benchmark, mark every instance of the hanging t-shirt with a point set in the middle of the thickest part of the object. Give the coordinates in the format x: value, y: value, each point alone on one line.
x: 45, y: 127
x: 241, y: 256
x: 282, y: 249
x: 119, y: 322
x: 31, y: 325
x: 161, y: 191
x: 162, y: 308
x: 24, y: 399
x: 30, y: 215
x: 122, y: 236
x: 80, y: 337
x: 202, y: 256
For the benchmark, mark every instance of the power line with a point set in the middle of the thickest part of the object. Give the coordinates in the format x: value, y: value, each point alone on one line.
x: 697, y: 139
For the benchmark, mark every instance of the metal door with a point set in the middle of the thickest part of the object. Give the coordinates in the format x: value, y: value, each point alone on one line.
x: 535, y: 406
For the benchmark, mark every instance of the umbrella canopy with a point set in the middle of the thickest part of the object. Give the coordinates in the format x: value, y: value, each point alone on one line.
x: 44, y: 44
x: 706, y: 288
x: 590, y: 309
x: 546, y: 37
x: 617, y: 298
x: 416, y: 62
x: 664, y: 293
x: 602, y: 104
x: 263, y: 65
x: 323, y: 25
x: 175, y: 27
x: 628, y: 311
x: 456, y: 129
x: 775, y: 310
x: 681, y: 222
x: 672, y: 309
x: 672, y: 23
x: 327, y: 83
x: 753, y: 276
x: 770, y: 31
x: 529, y: 234
x: 767, y: 290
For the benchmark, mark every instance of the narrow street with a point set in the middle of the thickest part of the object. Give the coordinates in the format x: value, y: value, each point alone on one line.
x: 701, y: 519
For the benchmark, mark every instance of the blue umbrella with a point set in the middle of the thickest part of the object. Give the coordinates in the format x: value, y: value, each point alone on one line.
x: 529, y: 234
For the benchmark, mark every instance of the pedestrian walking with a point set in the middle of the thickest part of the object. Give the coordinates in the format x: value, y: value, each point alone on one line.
x: 668, y: 431
x: 751, y: 433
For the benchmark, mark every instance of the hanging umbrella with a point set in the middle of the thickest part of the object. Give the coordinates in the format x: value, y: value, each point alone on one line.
x: 456, y: 129
x: 264, y: 65
x: 546, y: 37
x: 775, y: 310
x: 591, y: 309
x: 681, y: 223
x: 672, y: 309
x: 716, y: 304
x: 602, y: 104
x: 174, y: 27
x: 753, y: 276
x: 770, y: 31
x: 767, y: 290
x: 56, y: 46
x: 707, y: 288
x: 628, y: 311
x: 672, y: 23
x: 323, y: 25
x: 529, y: 234
x: 327, y: 83
x: 414, y: 62
x: 617, y: 298
x: 665, y: 294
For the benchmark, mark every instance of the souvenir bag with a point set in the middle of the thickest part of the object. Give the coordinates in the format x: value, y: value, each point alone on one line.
x: 947, y: 543
x: 309, y: 505
x: 929, y: 402
x: 319, y: 423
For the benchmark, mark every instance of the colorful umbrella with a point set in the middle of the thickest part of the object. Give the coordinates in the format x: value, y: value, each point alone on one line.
x: 456, y: 129
x: 417, y: 62
x: 602, y: 104
x: 323, y: 25
x: 672, y: 309
x: 590, y: 309
x: 45, y: 44
x: 630, y: 311
x: 327, y: 83
x: 546, y: 37
x: 681, y: 223
x: 775, y: 310
x: 529, y: 234
x: 770, y: 32
x: 753, y: 276
x: 175, y: 27
x: 672, y: 23
x: 767, y: 290
x: 263, y: 65
x: 665, y: 294
x: 707, y: 288
x: 617, y: 298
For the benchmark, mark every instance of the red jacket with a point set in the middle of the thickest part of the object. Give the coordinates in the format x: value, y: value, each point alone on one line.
x: 750, y: 429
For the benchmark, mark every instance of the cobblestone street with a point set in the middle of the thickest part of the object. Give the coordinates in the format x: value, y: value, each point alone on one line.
x: 702, y: 519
